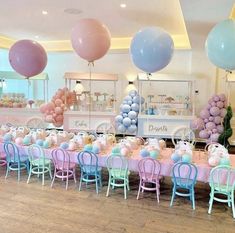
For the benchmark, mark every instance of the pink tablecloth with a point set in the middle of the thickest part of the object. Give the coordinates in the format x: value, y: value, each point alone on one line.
x: 199, y: 159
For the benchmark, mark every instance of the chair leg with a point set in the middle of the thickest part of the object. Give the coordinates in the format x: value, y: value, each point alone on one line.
x: 113, y: 186
x: 232, y: 200
x: 107, y: 194
x: 128, y: 187
x: 7, y: 171
x: 74, y: 175
x: 53, y: 178
x: 193, y: 198
x: 18, y: 172
x: 30, y: 172
x: 96, y: 184
x: 157, y: 192
x: 173, y: 195
x: 139, y: 189
x: 125, y: 184
x: 80, y: 182
x: 67, y: 180
x: 143, y: 184
x: 50, y: 171
x: 100, y: 179
x: 229, y: 200
x: 43, y: 176
x: 211, y: 201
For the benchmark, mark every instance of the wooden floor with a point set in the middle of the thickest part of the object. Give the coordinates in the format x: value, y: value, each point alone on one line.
x: 31, y: 208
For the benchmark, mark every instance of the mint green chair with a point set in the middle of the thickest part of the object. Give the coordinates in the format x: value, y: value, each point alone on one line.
x: 39, y: 165
x: 117, y: 166
x: 222, y: 181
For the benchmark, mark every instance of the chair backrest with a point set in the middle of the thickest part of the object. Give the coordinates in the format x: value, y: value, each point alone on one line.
x: 117, y: 162
x: 184, y: 174
x: 61, y: 159
x: 35, y: 152
x: 222, y: 177
x: 149, y: 167
x: 12, y: 152
x: 88, y: 161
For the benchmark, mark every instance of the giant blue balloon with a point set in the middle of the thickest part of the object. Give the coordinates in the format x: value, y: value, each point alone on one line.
x: 151, y: 49
x: 220, y: 45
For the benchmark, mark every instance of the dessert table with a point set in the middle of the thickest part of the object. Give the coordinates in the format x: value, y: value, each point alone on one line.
x: 199, y: 159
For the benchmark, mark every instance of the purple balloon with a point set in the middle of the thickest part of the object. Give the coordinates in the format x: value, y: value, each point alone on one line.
x: 204, y: 114
x: 222, y: 97
x: 211, y: 118
x: 213, y: 104
x: 206, y: 120
x: 208, y: 106
x: 220, y: 128
x: 197, y: 123
x: 216, y: 98
x: 214, y: 137
x: 223, y: 112
x: 210, y: 100
x: 27, y: 57
x: 214, y: 131
x: 220, y: 104
x: 215, y: 111
x: 217, y: 120
x: 203, y: 134
x: 210, y: 125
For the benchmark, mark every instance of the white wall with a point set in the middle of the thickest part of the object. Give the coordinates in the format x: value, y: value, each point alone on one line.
x: 184, y: 62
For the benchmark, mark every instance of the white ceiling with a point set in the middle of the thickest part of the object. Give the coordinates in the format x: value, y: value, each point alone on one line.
x: 24, y: 19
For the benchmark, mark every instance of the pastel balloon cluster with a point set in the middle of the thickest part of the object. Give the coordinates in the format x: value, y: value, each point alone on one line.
x: 183, y: 152
x: 126, y: 121
x: 211, y: 117
x: 218, y: 155
x: 54, y: 110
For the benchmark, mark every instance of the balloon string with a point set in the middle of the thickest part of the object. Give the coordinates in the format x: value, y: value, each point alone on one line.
x: 90, y: 64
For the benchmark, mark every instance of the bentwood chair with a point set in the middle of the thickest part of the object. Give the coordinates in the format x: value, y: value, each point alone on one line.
x: 39, y: 165
x: 149, y: 173
x: 63, y: 167
x: 90, y: 171
x: 184, y: 177
x: 222, y: 182
x: 15, y: 161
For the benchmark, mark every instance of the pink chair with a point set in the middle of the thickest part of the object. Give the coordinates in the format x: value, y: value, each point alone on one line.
x: 3, y: 160
x: 149, y: 172
x: 63, y: 168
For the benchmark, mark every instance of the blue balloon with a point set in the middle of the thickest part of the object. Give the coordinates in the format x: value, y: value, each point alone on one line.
x: 116, y: 150
x: 220, y: 45
x: 186, y: 158
x: 137, y: 99
x: 64, y: 145
x: 132, y: 115
x: 175, y: 157
x: 96, y: 149
x: 126, y: 108
x: 118, y: 118
x: 132, y: 129
x: 128, y: 98
x: 224, y: 161
x: 126, y: 122
x: 26, y: 140
x: 124, y: 115
x: 39, y: 142
x: 154, y: 154
x: 88, y: 147
x: 129, y: 102
x: 134, y: 122
x: 7, y: 137
x: 121, y: 129
x: 46, y: 144
x: 132, y: 93
x: 151, y: 49
x: 144, y: 153
x: 135, y: 107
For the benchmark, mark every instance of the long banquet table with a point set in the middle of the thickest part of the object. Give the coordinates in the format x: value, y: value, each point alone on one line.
x: 199, y: 159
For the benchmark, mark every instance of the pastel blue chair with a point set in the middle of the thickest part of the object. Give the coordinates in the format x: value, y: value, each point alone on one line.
x: 90, y: 171
x: 222, y: 182
x: 184, y: 177
x: 15, y: 161
x: 117, y: 166
x: 39, y: 164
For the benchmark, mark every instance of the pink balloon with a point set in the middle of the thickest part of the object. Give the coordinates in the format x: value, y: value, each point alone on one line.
x: 213, y: 104
x: 204, y: 114
x: 223, y: 112
x: 216, y: 98
x: 206, y: 120
x: 208, y: 106
x: 210, y: 125
x: 59, y: 118
x: 43, y: 108
x: 49, y: 119
x: 217, y: 120
x: 203, y: 134
x: 214, y: 131
x: 211, y: 118
x: 58, y: 124
x: 27, y: 58
x: 215, y: 111
x: 220, y: 104
x: 213, y: 161
x: 50, y: 106
x: 58, y: 102
x: 197, y: 123
x: 211, y: 100
x: 220, y: 128
x: 222, y: 97
x: 85, y: 36
x: 58, y: 110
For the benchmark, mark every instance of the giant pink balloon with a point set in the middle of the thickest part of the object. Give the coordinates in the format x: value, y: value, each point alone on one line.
x: 90, y: 39
x: 27, y: 58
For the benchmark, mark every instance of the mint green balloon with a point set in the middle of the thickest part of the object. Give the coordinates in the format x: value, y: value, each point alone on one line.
x: 220, y: 45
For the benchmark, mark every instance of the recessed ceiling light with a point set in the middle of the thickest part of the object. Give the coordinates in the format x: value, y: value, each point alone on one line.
x: 44, y: 12
x: 123, y: 5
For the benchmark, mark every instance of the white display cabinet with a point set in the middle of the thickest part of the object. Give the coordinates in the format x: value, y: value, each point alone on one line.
x: 94, y: 104
x: 169, y: 104
x: 20, y: 99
